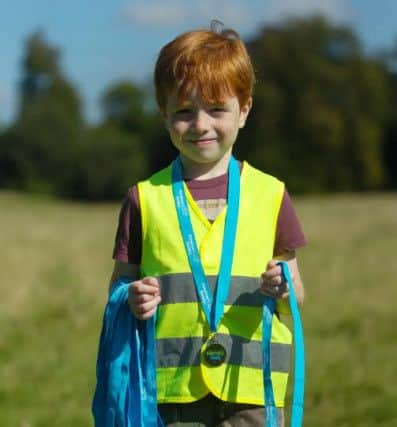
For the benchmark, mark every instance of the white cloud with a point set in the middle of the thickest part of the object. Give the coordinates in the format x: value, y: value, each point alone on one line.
x: 336, y: 10
x: 243, y: 15
x: 154, y: 14
x: 171, y: 13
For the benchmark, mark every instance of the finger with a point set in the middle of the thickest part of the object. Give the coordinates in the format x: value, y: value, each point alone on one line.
x: 138, y: 299
x: 146, y: 315
x: 152, y: 281
x: 273, y: 271
x: 284, y: 295
x: 274, y: 289
x: 276, y: 280
x: 147, y: 306
x: 271, y: 281
x: 140, y: 287
x: 272, y: 263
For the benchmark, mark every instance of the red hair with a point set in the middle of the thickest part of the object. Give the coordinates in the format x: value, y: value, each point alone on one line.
x: 215, y: 63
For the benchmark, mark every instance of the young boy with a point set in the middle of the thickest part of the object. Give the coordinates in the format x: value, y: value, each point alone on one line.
x: 209, y: 366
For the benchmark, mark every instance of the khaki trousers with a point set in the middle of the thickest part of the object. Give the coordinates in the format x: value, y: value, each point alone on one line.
x: 212, y: 412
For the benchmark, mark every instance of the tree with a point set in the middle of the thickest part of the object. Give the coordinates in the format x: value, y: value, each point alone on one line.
x: 390, y: 142
x: 49, y: 124
x: 123, y: 106
x: 319, y: 107
x: 108, y: 163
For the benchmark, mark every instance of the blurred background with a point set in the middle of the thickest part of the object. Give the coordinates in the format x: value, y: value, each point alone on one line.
x: 79, y: 125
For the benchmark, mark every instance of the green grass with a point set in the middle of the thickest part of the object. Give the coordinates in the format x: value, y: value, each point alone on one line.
x: 55, y: 266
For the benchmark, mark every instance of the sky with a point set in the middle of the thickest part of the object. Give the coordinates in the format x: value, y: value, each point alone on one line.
x: 106, y: 41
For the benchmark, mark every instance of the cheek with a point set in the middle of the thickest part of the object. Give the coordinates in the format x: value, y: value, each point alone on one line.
x: 178, y: 128
x: 231, y: 130
x: 176, y: 134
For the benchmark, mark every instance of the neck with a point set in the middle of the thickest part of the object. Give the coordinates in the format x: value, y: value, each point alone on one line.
x: 202, y: 171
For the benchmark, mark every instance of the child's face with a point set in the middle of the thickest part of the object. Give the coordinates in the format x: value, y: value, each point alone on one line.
x: 202, y: 132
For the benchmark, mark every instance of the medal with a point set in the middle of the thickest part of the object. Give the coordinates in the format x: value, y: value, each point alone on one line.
x: 214, y: 353
x: 213, y: 305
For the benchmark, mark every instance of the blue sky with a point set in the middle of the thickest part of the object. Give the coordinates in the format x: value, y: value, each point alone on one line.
x: 103, y: 42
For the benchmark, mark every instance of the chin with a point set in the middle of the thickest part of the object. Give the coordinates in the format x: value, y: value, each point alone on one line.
x: 206, y: 160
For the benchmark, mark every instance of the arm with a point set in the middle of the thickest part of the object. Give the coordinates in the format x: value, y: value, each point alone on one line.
x: 143, y: 294
x: 289, y: 237
x: 123, y: 269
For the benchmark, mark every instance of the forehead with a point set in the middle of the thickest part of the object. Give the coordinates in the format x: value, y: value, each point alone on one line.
x: 197, y: 97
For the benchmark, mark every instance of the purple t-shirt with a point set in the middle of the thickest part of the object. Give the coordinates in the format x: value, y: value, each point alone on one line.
x: 210, y: 195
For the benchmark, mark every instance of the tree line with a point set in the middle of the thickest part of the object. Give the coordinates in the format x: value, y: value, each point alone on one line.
x: 324, y: 120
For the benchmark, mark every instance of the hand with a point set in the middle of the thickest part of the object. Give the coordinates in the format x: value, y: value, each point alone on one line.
x: 144, y: 297
x: 273, y: 284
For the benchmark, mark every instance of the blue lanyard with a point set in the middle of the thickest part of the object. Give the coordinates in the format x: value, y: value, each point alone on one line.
x: 213, y: 312
x: 299, y: 354
x: 125, y: 393
x: 142, y: 382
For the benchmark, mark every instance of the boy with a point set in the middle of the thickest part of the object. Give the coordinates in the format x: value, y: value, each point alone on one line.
x: 209, y: 366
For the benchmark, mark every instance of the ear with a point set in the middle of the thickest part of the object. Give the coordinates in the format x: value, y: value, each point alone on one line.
x: 244, y: 111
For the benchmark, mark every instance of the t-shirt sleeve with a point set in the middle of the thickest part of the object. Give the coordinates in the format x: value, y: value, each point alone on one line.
x: 128, y: 240
x: 289, y: 234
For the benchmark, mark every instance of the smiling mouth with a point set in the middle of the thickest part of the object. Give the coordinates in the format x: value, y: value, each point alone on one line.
x: 202, y: 141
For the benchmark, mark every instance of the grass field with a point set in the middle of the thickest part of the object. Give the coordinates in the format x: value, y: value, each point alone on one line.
x: 55, y: 265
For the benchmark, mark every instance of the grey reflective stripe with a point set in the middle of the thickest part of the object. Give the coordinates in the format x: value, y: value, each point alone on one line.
x: 179, y: 288
x: 174, y: 352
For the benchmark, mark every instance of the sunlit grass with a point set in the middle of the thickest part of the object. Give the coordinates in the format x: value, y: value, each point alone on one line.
x: 350, y: 273
x: 56, y: 261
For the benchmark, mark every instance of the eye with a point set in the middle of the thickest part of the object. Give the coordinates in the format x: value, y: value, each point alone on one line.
x: 217, y: 109
x: 183, y: 111
x: 182, y: 114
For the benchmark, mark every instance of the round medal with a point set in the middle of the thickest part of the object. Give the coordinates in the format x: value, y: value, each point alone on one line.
x: 215, y: 354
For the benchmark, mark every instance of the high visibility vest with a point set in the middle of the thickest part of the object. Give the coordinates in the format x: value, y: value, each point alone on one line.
x: 183, y: 375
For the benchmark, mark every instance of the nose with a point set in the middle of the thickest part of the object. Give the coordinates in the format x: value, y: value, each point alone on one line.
x: 201, y: 121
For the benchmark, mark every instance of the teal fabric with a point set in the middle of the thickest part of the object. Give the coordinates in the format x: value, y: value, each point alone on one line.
x: 298, y: 396
x: 213, y: 307
x: 269, y: 307
x: 125, y: 394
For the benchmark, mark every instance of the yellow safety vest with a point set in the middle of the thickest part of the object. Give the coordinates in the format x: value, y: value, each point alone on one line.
x: 182, y: 329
